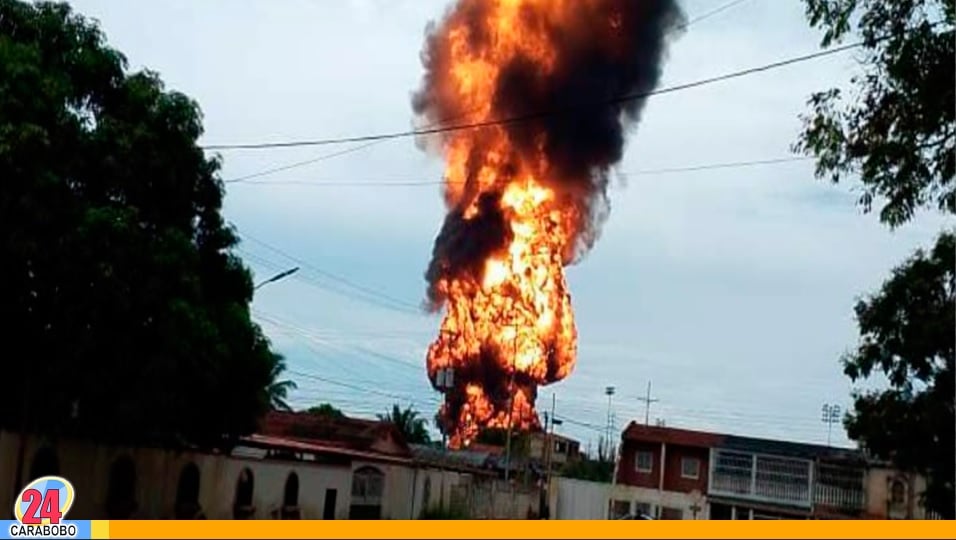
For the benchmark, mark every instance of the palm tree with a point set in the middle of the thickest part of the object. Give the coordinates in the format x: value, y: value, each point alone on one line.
x: 409, y: 423
x: 278, y: 390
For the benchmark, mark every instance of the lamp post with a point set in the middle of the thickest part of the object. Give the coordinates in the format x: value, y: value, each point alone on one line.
x: 277, y: 277
x: 831, y: 415
x: 609, y: 392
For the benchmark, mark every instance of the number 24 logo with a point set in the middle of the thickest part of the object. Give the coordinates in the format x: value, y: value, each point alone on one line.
x: 43, y: 501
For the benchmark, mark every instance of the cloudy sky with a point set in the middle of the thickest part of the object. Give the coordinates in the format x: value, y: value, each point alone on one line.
x: 731, y: 290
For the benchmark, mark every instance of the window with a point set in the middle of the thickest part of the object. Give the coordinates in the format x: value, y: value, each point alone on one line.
x: 897, y: 492
x: 187, y: 493
x: 643, y: 461
x: 242, y: 508
x: 690, y: 468
x: 290, y: 498
x: 620, y: 509
x: 291, y: 495
x: 560, y: 447
x: 121, y: 489
x: 642, y: 509
x: 368, y: 484
x: 672, y: 513
x: 328, y: 511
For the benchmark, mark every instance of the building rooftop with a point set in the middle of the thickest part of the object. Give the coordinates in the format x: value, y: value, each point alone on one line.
x: 452, y: 459
x: 669, y: 435
x: 346, y: 433
x: 705, y: 439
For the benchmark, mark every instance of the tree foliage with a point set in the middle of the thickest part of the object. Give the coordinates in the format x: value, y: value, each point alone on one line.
x: 325, y: 409
x: 896, y: 131
x: 593, y: 470
x: 520, y: 440
x: 124, y: 310
x: 895, y: 128
x: 908, y: 332
x: 412, y: 426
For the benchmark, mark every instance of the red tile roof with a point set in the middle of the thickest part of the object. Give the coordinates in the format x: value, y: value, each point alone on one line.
x: 658, y: 434
x: 266, y: 441
x: 344, y: 433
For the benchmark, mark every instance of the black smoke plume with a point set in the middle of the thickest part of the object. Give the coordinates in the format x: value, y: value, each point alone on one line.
x: 616, y: 49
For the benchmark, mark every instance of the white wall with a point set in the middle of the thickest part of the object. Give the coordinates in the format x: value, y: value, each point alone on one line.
x: 269, y: 478
x: 662, y: 499
x: 579, y: 499
x: 397, y: 491
x: 878, y: 494
x: 442, y: 484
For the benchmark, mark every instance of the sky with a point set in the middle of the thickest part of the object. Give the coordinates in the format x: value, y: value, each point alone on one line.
x: 729, y: 290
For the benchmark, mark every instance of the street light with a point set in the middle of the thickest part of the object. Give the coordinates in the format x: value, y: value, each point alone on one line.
x: 831, y: 415
x: 277, y: 277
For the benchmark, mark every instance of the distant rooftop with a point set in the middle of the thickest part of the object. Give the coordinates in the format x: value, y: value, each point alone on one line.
x: 466, y: 459
x: 344, y: 432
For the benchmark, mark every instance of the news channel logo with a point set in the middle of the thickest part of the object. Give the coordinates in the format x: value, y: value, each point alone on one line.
x: 40, y: 510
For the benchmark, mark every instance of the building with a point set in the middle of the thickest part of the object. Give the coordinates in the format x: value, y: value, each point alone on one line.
x: 663, y: 473
x: 298, y: 466
x: 673, y: 473
x: 564, y: 450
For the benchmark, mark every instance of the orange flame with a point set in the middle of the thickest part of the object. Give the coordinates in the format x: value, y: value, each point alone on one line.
x: 508, y: 324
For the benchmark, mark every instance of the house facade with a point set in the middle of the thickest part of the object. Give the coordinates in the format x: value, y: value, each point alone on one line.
x: 663, y: 473
x: 670, y: 473
x: 297, y: 466
x: 563, y: 450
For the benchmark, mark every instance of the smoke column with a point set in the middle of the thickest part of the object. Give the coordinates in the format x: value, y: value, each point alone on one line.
x: 525, y: 198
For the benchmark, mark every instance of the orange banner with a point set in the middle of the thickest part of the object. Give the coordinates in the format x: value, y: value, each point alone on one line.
x: 531, y: 529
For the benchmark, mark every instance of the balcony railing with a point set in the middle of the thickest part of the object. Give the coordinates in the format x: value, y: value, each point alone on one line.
x: 839, y: 486
x: 762, y: 478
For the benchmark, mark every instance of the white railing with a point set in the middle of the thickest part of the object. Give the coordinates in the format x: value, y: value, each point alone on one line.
x: 761, y: 478
x: 839, y: 486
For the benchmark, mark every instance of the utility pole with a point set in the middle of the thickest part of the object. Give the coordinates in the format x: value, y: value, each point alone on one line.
x: 831, y: 415
x: 647, y: 404
x: 609, y: 392
x: 550, y: 437
x: 554, y: 422
x: 511, y: 405
x: 445, y: 380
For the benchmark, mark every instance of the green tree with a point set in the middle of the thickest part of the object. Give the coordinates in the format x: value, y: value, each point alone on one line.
x: 409, y: 423
x: 908, y: 332
x: 898, y: 136
x: 520, y: 441
x: 896, y: 132
x: 594, y: 470
x: 278, y: 390
x: 125, y: 311
x: 325, y: 409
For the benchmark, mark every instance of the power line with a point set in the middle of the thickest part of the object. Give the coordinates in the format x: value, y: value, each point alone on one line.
x: 324, y: 287
x: 324, y: 157
x: 350, y: 386
x: 308, y: 280
x: 371, y: 295
x: 297, y: 164
x: 306, y: 334
x: 532, y: 116
x: 712, y: 12
x: 645, y: 172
